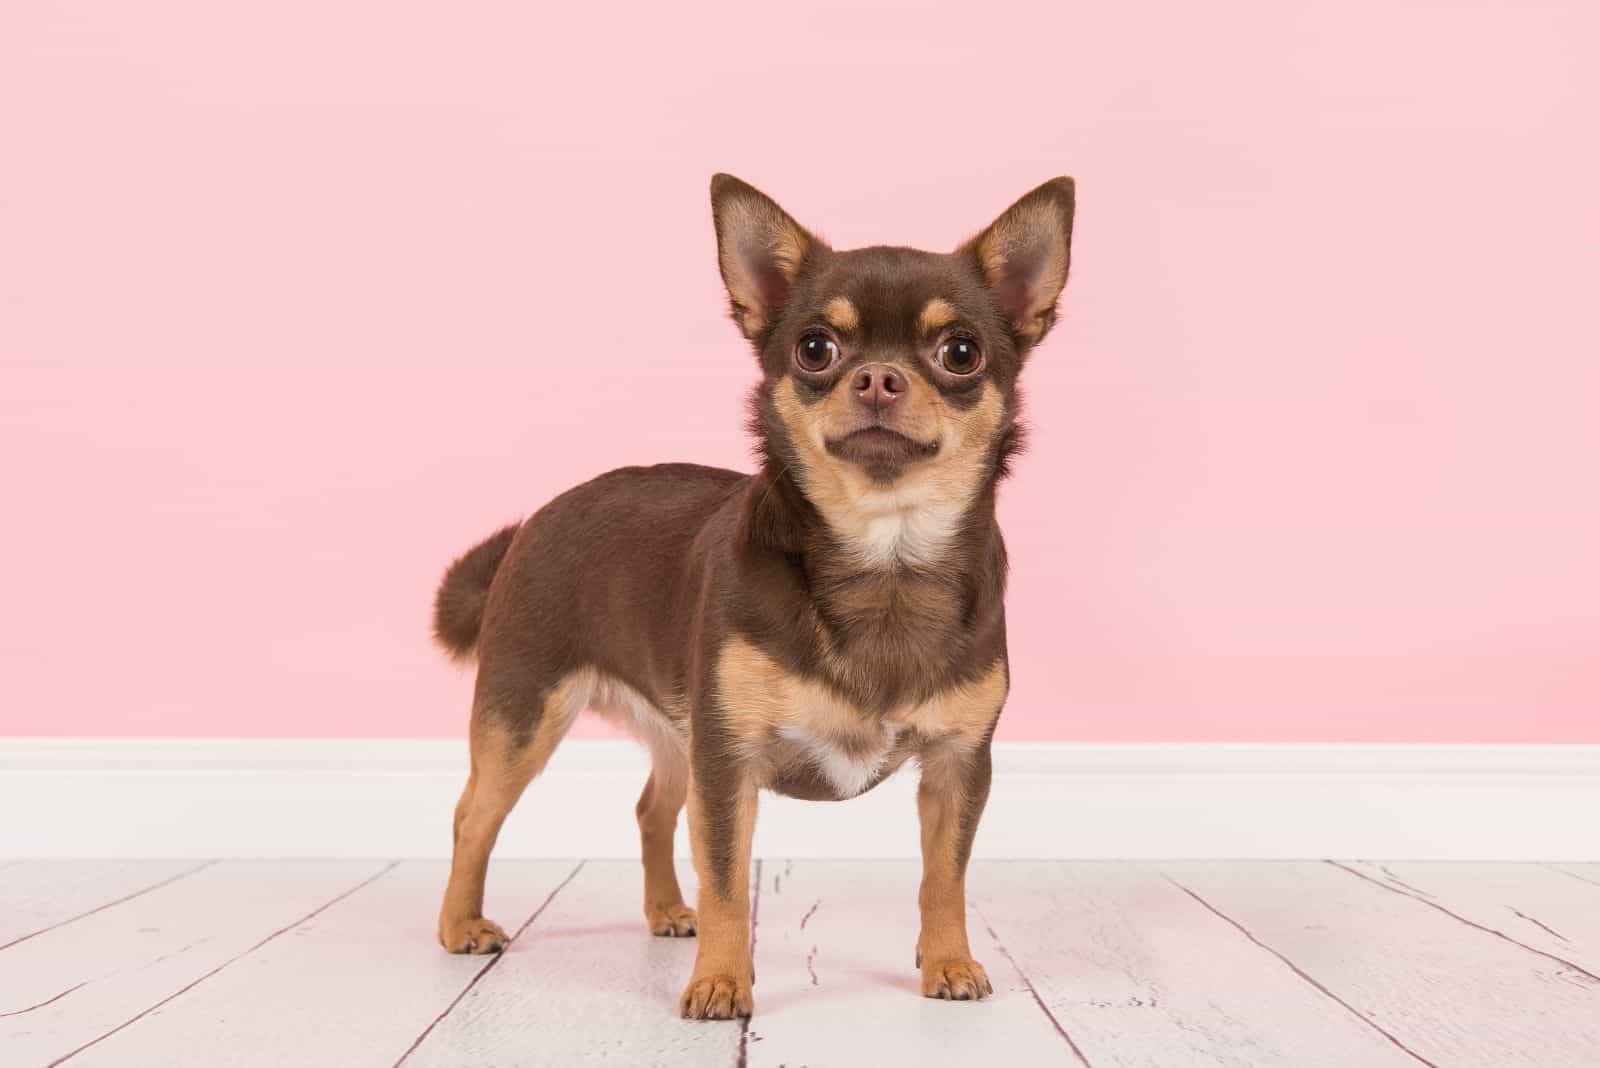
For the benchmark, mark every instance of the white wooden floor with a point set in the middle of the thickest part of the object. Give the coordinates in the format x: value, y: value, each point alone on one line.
x: 1104, y: 964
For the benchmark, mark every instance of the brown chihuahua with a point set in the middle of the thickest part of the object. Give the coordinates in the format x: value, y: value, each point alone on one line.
x: 806, y: 629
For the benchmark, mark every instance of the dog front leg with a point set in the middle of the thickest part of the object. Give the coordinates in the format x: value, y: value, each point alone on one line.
x: 722, y: 820
x: 950, y: 800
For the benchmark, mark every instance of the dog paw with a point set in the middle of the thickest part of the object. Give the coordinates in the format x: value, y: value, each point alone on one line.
x: 474, y: 935
x: 957, y: 979
x: 716, y: 997
x: 671, y: 921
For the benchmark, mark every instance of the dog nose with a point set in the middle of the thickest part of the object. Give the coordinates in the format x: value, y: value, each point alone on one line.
x: 877, y: 385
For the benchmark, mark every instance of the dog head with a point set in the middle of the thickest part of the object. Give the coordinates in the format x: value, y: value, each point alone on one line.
x: 889, y: 385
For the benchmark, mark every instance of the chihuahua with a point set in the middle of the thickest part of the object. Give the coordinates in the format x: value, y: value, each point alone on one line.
x: 806, y: 629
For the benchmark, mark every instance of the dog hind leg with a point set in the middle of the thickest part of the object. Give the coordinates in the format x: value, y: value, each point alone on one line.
x: 504, y: 760
x: 658, y: 808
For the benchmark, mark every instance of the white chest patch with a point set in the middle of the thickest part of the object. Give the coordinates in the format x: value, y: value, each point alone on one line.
x: 849, y: 765
x: 909, y: 523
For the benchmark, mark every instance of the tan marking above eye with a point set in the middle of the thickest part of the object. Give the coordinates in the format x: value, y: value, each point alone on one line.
x: 841, y: 314
x: 937, y: 314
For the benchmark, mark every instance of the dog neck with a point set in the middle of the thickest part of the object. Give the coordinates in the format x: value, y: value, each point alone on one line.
x: 903, y: 528
x: 888, y: 627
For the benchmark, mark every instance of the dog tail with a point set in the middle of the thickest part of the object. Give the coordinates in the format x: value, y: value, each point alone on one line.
x: 458, y: 606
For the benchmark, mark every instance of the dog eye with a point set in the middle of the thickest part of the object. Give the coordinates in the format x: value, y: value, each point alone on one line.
x: 960, y: 356
x: 815, y: 353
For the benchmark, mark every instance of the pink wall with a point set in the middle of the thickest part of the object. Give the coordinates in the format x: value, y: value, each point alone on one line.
x: 1315, y: 447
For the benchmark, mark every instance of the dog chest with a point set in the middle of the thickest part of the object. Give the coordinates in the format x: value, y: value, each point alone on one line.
x: 847, y: 764
x: 817, y: 743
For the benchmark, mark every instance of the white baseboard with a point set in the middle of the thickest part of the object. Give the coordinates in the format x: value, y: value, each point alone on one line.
x: 233, y: 798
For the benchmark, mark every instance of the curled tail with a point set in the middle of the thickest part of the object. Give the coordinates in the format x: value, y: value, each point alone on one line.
x: 458, y: 606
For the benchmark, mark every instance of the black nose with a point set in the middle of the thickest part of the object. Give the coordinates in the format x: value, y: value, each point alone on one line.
x: 877, y: 385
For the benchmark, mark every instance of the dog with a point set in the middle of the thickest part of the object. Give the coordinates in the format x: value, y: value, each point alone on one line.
x: 806, y: 629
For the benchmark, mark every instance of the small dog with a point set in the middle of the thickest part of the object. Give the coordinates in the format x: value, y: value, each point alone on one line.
x: 806, y: 629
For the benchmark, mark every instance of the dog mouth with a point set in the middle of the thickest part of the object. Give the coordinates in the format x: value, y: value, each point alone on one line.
x: 878, y: 444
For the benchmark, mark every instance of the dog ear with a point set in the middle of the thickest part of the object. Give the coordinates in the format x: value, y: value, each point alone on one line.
x: 1024, y: 256
x: 760, y: 250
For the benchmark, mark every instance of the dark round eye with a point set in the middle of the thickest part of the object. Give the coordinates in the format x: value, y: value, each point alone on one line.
x: 815, y: 353
x: 960, y: 356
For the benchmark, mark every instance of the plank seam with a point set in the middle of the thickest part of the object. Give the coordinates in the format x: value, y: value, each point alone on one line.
x: 1028, y: 982
x: 1392, y: 877
x: 741, y: 1060
x: 1462, y: 919
x: 489, y: 966
x: 1541, y: 925
x: 369, y: 880
x: 1296, y: 969
x: 1573, y: 874
x: 126, y: 897
x: 46, y: 1001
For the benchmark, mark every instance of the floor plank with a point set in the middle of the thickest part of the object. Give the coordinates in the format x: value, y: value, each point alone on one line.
x: 586, y: 983
x: 1534, y: 906
x: 36, y: 895
x: 359, y: 981
x: 1238, y: 965
x: 1450, y: 993
x: 78, y: 983
x: 1140, y: 974
x: 836, y: 984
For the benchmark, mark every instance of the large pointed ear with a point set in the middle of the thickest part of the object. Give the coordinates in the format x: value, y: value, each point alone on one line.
x: 1024, y: 256
x: 760, y: 250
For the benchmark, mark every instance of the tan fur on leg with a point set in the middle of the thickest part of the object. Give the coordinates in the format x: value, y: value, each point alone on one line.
x: 950, y: 799
x: 721, y: 986
x: 501, y: 770
x: 658, y: 810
